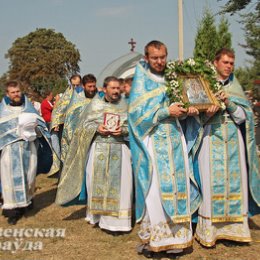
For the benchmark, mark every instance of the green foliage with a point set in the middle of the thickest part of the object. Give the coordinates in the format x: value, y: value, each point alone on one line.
x: 233, y: 6
x: 251, y: 22
x: 252, y: 37
x: 209, y: 38
x: 244, y: 76
x: 1, y: 93
x: 224, y: 36
x: 2, y: 85
x: 42, y: 59
x: 60, y: 87
x: 206, y: 39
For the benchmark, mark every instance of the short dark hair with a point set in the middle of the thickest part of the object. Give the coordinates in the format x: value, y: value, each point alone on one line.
x: 155, y: 44
x: 74, y: 76
x: 109, y: 79
x: 88, y: 78
x: 12, y: 83
x: 47, y: 92
x: 129, y: 81
x: 224, y: 51
x: 121, y: 81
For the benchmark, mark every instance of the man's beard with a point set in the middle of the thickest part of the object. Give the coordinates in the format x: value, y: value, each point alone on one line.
x: 16, y: 103
x: 161, y: 72
x: 90, y: 95
x: 115, y: 98
x: 111, y: 99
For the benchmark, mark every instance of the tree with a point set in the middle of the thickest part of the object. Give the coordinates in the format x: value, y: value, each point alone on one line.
x: 251, y: 22
x: 233, y: 6
x: 1, y: 90
x: 224, y: 36
x: 245, y: 77
x: 252, y: 37
x: 3, y: 80
x: 42, y: 59
x: 209, y: 38
x: 206, y: 40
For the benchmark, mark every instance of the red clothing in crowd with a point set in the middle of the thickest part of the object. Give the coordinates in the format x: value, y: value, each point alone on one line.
x: 46, y: 109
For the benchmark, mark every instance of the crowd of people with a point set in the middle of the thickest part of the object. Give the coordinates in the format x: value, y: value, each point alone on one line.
x: 124, y: 149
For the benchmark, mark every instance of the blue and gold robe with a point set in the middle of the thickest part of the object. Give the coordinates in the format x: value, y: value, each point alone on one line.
x: 228, y: 198
x: 23, y: 159
x: 148, y: 115
x: 75, y: 107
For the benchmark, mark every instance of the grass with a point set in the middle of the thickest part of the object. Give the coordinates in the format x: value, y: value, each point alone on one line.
x: 83, y: 241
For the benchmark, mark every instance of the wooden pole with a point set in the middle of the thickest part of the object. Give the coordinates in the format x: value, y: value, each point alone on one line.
x: 180, y: 16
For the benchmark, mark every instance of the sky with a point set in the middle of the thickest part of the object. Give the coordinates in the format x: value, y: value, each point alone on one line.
x: 101, y: 29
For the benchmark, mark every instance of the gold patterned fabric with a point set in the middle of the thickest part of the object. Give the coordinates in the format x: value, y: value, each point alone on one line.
x: 59, y: 111
x: 72, y: 114
x: 74, y: 166
x: 225, y: 176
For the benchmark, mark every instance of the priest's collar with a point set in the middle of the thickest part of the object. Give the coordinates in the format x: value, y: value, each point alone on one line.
x: 157, y: 77
x: 224, y: 82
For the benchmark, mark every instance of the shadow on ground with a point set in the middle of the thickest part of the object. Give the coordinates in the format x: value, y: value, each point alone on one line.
x: 41, y: 201
x: 81, y: 213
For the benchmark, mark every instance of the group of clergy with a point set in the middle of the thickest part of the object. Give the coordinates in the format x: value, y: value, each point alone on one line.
x: 182, y: 165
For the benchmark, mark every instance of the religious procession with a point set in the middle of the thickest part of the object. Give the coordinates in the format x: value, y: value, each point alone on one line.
x: 169, y: 151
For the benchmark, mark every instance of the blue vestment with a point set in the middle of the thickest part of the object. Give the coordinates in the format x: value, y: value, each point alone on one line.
x: 19, y: 157
x: 148, y: 115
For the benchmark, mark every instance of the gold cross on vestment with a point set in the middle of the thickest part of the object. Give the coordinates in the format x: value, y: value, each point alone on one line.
x: 235, y: 174
x: 232, y: 142
x: 219, y: 175
x: 217, y: 142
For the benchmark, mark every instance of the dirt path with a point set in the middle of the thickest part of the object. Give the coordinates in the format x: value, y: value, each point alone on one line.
x: 50, y: 232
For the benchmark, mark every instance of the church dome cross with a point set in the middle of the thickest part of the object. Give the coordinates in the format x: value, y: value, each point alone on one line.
x: 132, y: 43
